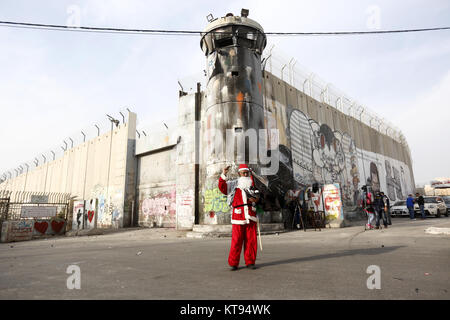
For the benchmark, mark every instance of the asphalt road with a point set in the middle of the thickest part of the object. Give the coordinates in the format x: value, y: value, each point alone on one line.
x: 164, y: 264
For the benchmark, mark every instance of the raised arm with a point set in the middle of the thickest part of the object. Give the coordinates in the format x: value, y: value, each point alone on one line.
x: 223, y: 186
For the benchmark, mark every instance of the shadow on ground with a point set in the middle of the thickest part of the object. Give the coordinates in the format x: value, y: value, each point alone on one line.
x: 368, y: 251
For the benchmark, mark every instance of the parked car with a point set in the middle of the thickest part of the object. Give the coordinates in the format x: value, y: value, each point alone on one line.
x: 447, y: 203
x: 434, y: 206
x: 399, y: 209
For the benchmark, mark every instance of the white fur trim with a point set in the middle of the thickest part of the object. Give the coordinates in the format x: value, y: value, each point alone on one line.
x: 244, y: 200
x: 223, y: 177
x: 239, y: 221
x: 244, y: 169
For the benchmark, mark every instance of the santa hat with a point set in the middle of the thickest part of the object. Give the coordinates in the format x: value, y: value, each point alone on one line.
x: 243, y: 167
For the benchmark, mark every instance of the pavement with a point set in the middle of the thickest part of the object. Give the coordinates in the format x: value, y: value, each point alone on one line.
x: 161, y: 264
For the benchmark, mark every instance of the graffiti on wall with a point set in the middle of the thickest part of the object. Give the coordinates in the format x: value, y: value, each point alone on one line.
x: 90, y: 212
x: 215, y: 202
x: 101, y: 208
x: 78, y: 212
x: 332, y: 201
x: 320, y: 154
x: 16, y: 230
x: 374, y: 178
x: 185, y: 209
x: 159, y: 208
x: 48, y: 226
x: 397, y: 185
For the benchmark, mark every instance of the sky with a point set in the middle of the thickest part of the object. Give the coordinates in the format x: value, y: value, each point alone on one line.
x: 53, y: 84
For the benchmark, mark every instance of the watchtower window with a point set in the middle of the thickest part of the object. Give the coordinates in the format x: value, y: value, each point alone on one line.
x: 224, y: 42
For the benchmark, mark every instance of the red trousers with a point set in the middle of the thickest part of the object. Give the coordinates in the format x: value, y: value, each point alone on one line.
x: 243, y: 233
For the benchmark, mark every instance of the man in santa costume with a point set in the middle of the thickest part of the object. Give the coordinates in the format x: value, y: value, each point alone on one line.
x: 242, y: 199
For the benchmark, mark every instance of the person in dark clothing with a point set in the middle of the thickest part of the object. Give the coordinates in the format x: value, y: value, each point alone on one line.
x: 410, y: 206
x: 421, y: 202
x: 379, y: 210
x: 368, y: 207
x: 387, y: 208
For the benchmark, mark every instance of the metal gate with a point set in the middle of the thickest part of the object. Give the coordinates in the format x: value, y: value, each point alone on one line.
x: 24, y: 215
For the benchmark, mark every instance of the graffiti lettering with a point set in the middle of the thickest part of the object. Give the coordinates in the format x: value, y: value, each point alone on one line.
x: 215, y: 201
x: 157, y: 206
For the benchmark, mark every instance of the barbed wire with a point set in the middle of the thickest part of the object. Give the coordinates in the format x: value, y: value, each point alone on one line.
x: 82, y: 135
x: 288, y: 69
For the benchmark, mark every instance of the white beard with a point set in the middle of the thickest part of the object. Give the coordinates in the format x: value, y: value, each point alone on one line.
x: 244, y: 182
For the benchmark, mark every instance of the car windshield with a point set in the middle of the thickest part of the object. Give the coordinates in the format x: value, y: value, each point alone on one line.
x: 400, y: 203
x: 431, y: 200
x: 446, y: 199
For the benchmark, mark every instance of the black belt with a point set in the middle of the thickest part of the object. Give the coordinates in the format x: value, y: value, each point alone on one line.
x: 243, y: 205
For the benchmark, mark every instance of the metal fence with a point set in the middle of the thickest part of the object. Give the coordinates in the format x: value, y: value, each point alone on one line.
x: 289, y: 70
x: 13, y: 203
x: 76, y: 138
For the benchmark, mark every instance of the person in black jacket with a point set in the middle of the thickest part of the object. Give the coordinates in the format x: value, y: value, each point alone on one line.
x: 379, y: 210
x: 421, y: 202
x: 387, y: 208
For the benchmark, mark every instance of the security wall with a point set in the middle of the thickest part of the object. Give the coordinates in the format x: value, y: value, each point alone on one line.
x: 316, y: 143
x: 322, y: 144
x: 166, y: 171
x: 102, y: 168
x: 157, y: 188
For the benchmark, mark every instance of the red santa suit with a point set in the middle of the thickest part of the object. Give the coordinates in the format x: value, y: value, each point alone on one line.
x: 243, y: 220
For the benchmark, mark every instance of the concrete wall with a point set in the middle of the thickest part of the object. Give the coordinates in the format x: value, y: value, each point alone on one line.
x: 155, y: 175
x: 156, y: 178
x: 102, y: 168
x: 320, y: 144
x: 187, y: 148
x: 313, y: 118
x: 166, y: 172
x: 350, y: 152
x: 157, y: 188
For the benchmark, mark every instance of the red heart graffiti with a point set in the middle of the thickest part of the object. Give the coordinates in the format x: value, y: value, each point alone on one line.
x: 57, y: 226
x: 41, y: 226
x: 90, y: 215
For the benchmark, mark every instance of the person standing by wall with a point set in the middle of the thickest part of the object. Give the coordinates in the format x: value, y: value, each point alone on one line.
x: 387, y: 208
x: 410, y: 206
x: 421, y: 202
x: 291, y: 201
x: 243, y: 216
x: 367, y: 204
x: 379, y: 210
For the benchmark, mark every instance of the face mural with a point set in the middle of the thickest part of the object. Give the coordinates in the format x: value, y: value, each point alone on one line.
x: 320, y: 154
x: 374, y: 178
x: 328, y: 155
x: 389, y: 180
x: 397, y: 184
x: 302, y: 149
